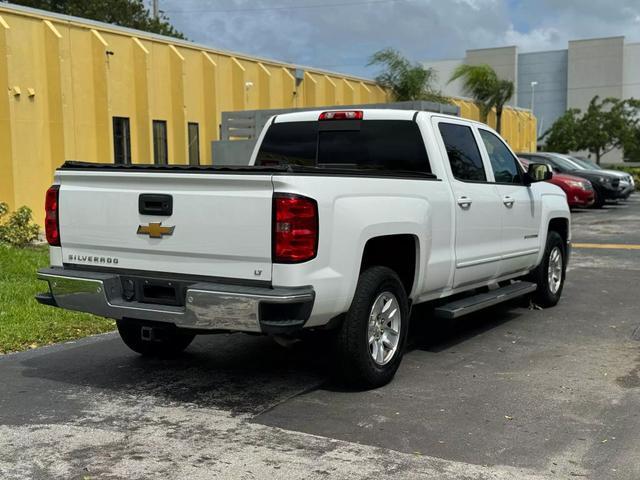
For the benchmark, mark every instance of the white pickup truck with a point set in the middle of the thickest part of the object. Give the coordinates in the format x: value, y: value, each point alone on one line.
x: 342, y: 221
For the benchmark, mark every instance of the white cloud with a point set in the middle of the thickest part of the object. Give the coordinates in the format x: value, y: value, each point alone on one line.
x: 342, y: 36
x: 544, y: 38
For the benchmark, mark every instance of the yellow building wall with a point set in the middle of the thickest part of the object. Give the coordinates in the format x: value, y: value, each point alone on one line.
x: 518, y: 126
x: 66, y: 79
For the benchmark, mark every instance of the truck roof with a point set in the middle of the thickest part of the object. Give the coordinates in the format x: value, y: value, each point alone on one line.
x: 368, y: 114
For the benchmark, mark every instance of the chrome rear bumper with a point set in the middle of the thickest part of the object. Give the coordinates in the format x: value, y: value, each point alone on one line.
x: 207, y: 306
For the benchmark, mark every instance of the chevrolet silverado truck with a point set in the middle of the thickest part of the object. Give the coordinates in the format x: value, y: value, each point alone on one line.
x: 342, y: 221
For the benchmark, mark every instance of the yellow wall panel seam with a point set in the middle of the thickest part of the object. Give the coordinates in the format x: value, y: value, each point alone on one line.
x: 7, y: 179
x: 209, y: 95
x: 142, y: 120
x: 178, y: 126
x: 54, y: 96
x: 104, y: 128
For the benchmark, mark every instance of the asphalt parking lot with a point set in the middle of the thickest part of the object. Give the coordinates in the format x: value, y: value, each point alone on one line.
x: 511, y: 393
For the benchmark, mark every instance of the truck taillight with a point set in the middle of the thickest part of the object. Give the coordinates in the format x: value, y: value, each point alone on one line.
x: 341, y: 115
x: 295, y: 228
x: 51, y: 221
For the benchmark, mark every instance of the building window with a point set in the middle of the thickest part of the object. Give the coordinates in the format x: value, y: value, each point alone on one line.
x: 160, y: 151
x: 194, y: 143
x: 121, y: 141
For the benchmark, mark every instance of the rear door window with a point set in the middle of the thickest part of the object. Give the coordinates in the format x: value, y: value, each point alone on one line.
x: 378, y: 144
x: 462, y: 150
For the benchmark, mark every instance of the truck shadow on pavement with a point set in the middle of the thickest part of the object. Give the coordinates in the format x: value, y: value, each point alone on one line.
x: 435, y: 335
x: 238, y: 373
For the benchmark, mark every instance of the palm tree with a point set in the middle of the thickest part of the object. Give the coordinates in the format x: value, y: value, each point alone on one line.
x: 406, y: 80
x: 481, y: 83
x: 503, y: 92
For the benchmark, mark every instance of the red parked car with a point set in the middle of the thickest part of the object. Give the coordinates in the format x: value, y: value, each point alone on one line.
x: 579, y: 191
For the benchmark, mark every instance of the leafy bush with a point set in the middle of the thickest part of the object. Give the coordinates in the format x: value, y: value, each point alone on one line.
x: 17, y: 228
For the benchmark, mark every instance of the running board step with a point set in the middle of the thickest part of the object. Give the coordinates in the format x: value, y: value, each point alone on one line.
x: 474, y: 303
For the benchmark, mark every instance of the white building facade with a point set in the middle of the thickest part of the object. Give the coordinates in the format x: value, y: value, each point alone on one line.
x: 550, y: 82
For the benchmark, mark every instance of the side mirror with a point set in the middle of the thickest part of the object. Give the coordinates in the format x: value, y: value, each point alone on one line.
x: 539, y: 172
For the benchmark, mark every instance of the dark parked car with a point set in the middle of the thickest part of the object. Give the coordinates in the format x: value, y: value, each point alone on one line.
x: 606, y: 186
x: 627, y: 184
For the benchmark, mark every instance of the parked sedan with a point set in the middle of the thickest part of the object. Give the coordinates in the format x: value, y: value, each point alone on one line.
x: 606, y: 186
x: 627, y: 184
x: 579, y: 191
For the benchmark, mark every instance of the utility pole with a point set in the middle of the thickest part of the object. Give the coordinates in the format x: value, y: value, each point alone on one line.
x: 155, y: 9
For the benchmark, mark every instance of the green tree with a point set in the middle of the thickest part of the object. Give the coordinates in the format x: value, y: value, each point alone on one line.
x: 481, y: 83
x: 631, y: 141
x: 606, y: 125
x: 631, y: 146
x: 126, y: 13
x: 564, y: 135
x: 406, y: 80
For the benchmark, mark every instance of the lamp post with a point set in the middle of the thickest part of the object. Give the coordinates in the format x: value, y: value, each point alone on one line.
x: 533, y: 92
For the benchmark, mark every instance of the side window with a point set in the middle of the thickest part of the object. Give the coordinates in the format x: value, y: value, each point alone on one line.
x: 160, y: 151
x: 194, y: 143
x: 463, y: 153
x: 121, y: 140
x: 503, y: 163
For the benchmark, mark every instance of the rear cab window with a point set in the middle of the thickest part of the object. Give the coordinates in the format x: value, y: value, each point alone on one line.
x: 391, y: 145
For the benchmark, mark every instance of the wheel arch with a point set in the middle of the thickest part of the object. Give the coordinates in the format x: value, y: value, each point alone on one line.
x: 399, y: 252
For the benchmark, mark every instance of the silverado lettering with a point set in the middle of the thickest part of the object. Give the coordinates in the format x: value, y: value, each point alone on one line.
x: 87, y: 258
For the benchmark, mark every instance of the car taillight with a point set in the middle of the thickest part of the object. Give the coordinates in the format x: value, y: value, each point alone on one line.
x: 342, y: 115
x: 51, y: 223
x: 295, y: 228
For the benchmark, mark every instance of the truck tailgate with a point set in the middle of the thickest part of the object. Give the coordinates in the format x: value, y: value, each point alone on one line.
x: 222, y: 222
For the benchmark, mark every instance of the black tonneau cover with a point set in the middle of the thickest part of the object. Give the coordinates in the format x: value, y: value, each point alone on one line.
x: 248, y: 169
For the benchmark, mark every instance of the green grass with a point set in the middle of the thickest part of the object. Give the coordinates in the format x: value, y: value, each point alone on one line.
x: 24, y: 323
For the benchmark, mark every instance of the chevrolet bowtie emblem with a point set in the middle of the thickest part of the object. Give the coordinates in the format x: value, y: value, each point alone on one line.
x: 155, y: 230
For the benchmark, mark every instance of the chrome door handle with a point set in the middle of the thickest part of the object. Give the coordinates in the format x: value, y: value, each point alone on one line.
x: 508, y: 201
x: 464, y: 202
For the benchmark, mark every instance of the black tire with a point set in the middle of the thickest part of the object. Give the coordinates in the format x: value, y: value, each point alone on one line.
x: 598, y: 199
x: 165, y: 342
x: 355, y: 364
x: 544, y: 296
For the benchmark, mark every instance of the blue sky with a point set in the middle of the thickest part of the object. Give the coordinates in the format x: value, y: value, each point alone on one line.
x: 341, y: 34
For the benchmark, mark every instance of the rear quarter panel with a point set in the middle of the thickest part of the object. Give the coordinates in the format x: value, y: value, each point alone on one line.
x: 353, y: 210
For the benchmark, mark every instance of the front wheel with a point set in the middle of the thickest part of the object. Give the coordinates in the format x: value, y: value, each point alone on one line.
x: 372, y: 337
x: 549, y: 276
x: 598, y: 199
x: 153, y: 342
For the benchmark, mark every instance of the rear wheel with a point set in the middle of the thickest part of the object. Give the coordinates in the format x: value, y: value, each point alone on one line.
x: 153, y: 341
x: 372, y: 337
x: 550, y: 274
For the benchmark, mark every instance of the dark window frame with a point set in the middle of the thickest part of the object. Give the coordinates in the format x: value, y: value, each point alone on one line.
x: 193, y: 143
x: 475, y: 141
x: 121, y: 140
x: 160, y: 142
x: 516, y: 163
